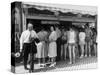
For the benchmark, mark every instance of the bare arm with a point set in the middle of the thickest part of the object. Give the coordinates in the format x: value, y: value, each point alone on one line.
x: 21, y: 42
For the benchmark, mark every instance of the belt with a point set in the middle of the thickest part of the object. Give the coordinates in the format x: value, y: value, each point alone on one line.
x: 27, y: 43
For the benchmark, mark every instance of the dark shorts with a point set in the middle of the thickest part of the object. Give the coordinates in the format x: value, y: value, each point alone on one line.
x: 88, y: 39
x: 63, y: 41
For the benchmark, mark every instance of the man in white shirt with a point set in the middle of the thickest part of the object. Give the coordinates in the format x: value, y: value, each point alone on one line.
x: 27, y: 45
x: 82, y: 36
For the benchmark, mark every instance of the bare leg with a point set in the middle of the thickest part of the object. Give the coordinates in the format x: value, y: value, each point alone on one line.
x: 62, y: 48
x: 70, y: 54
x: 65, y: 48
x: 95, y: 49
x: 77, y: 51
x: 82, y: 51
x: 52, y: 62
x: 52, y: 59
x: 43, y: 59
x: 43, y: 54
x: 86, y: 49
x: 89, y: 49
x: 73, y: 51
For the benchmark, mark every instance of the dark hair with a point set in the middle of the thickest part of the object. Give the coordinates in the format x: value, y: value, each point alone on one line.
x: 87, y: 25
x: 81, y: 29
x: 94, y: 30
x: 53, y: 27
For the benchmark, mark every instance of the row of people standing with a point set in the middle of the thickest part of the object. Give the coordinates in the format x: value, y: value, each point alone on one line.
x: 75, y: 42
x: 62, y: 43
x: 54, y: 44
x: 41, y: 44
x: 66, y: 40
x: 47, y: 47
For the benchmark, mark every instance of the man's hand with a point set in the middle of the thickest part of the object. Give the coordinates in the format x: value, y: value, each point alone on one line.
x: 17, y: 54
x: 20, y: 50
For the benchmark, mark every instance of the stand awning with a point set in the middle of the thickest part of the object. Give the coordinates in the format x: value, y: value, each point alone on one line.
x: 59, y: 13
